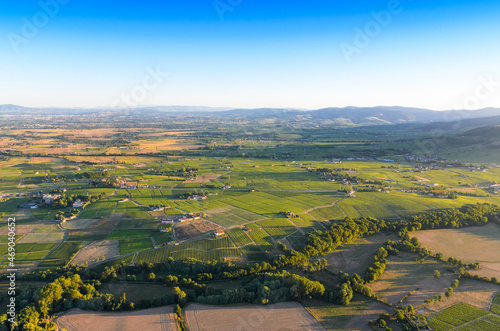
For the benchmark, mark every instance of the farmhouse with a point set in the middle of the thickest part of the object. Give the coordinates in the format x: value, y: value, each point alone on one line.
x: 197, y: 197
x: 129, y: 185
x: 183, y: 219
x: 48, y: 198
x: 187, y: 217
x: 78, y: 203
x: 219, y: 233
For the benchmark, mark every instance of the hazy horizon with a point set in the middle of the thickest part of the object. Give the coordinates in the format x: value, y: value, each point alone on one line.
x: 226, y: 108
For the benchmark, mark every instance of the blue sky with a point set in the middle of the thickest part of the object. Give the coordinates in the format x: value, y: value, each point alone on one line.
x: 250, y: 53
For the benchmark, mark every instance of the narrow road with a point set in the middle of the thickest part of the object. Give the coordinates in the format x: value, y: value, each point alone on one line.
x: 319, y: 207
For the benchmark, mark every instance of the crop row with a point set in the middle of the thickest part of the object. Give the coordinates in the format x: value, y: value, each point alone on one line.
x: 455, y: 316
x: 239, y: 237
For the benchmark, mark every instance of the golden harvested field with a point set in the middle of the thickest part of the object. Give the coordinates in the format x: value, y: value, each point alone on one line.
x: 105, y: 225
x: 161, y: 134
x: 161, y: 319
x: 479, y: 243
x: 280, y: 316
x: 36, y: 159
x: 357, y: 256
x: 355, y: 316
x: 112, y: 159
x: 90, y: 254
x: 206, y: 178
x: 194, y: 229
x: 78, y: 224
x: 473, y: 292
x: 403, y: 275
x: 165, y: 144
x: 42, y: 238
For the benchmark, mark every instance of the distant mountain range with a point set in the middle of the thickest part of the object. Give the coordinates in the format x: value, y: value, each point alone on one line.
x: 343, y: 117
x: 363, y: 115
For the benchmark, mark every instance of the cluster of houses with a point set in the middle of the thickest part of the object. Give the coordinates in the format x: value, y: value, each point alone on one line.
x: 439, y: 196
x: 157, y: 208
x: 178, y: 219
x: 496, y: 188
x: 131, y: 185
x: 78, y: 203
x: 424, y: 159
x: 6, y: 196
x: 412, y: 190
x: 48, y: 198
x: 181, y: 219
x: 197, y: 197
x: 429, y: 184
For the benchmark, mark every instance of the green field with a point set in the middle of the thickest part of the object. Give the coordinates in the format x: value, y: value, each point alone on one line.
x: 131, y: 210
x: 495, y: 307
x: 254, y: 253
x: 488, y: 323
x: 455, y: 316
x: 66, y: 250
x: 101, y: 208
x: 278, y: 233
x: 262, y: 238
x: 26, y: 248
x: 276, y: 222
x: 30, y: 257
x: 239, y: 237
x: 134, y: 245
x: 161, y: 238
x: 205, y: 249
x: 126, y: 234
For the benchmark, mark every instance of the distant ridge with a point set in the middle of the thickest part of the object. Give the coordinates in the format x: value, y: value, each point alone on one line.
x: 347, y: 116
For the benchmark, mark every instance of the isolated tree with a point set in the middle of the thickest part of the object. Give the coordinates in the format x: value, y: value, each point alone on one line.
x: 437, y: 274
